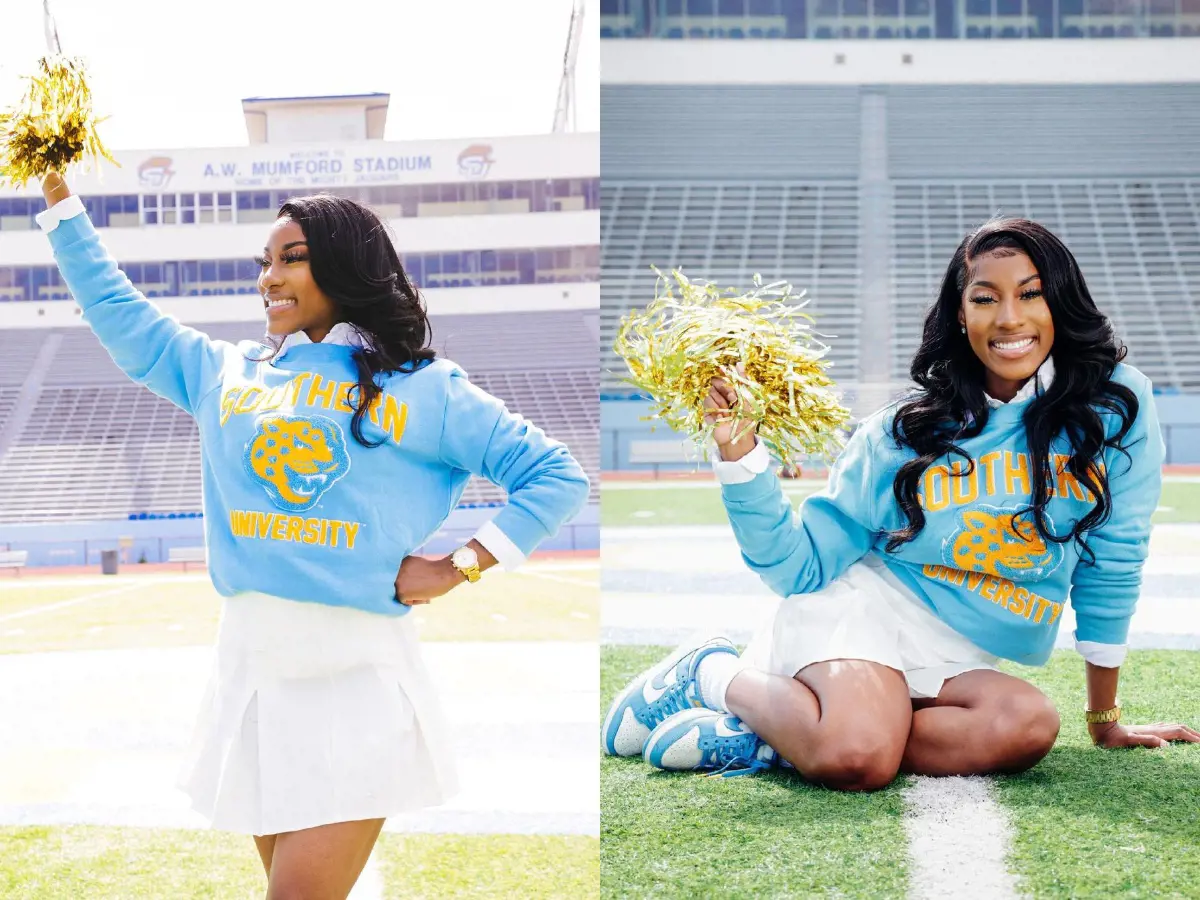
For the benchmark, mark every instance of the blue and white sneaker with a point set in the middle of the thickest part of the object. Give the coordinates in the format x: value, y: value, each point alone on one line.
x: 702, y: 740
x: 659, y: 692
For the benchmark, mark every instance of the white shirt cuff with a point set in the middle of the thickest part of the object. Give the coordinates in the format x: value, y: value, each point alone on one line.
x: 497, y: 543
x: 742, y: 470
x: 1108, y: 656
x: 50, y: 219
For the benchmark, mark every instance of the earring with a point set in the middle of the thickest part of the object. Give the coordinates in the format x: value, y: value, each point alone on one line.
x: 964, y: 329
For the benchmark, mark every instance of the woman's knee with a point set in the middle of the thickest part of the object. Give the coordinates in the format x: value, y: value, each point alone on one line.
x: 1024, y: 728
x: 864, y: 762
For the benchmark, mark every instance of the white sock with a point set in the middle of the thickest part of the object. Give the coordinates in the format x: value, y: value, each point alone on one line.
x: 714, y: 675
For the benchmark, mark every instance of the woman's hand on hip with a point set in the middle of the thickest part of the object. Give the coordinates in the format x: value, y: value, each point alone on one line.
x: 420, y: 580
x: 54, y: 188
x: 1114, y: 735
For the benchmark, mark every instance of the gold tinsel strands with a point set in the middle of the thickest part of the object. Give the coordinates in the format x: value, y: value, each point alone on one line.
x: 52, y: 126
x: 678, y: 344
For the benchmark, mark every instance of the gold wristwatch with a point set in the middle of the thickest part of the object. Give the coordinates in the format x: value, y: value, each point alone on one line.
x: 1102, y: 716
x: 466, y: 561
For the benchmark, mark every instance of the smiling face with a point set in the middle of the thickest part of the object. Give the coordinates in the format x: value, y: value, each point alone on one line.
x: 292, y: 299
x: 1007, y: 319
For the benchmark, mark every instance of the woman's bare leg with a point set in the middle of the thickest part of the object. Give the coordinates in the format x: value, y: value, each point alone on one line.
x: 842, y: 723
x: 265, y: 844
x: 981, y: 722
x: 320, y: 863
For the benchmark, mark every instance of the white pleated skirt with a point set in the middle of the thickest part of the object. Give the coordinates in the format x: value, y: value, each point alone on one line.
x: 867, y: 613
x: 313, y: 715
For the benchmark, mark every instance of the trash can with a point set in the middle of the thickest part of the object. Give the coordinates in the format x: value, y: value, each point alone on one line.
x: 108, y: 562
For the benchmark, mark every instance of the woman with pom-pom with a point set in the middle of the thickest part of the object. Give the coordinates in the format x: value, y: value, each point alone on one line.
x: 1021, y: 473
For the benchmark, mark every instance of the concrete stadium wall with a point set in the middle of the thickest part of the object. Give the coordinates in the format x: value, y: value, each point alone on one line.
x: 621, y: 423
x: 80, y: 543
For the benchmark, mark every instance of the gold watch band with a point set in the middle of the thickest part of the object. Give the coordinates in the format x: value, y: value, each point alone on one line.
x: 1102, y: 716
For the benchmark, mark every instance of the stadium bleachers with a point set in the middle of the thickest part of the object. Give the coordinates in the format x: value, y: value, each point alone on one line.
x: 1137, y: 243
x: 868, y: 231
x: 99, y: 447
x: 803, y: 233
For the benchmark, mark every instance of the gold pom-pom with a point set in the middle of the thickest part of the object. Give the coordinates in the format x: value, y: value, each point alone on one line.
x: 678, y: 344
x: 52, y: 126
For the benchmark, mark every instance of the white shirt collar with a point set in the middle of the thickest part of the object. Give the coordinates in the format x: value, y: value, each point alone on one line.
x: 342, y: 333
x: 1040, y: 381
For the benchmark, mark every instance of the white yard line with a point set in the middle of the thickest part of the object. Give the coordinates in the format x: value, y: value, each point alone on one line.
x: 958, y: 837
x: 39, y: 581
x: 74, y: 601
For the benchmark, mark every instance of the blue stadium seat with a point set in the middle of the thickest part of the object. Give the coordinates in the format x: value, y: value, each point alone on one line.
x: 884, y: 31
x: 1009, y: 32
x: 736, y: 33
x: 697, y: 33
x: 775, y: 33
x: 1187, y: 30
x: 863, y: 33
x: 825, y: 33
x: 924, y: 32
x: 205, y: 292
x: 757, y: 33
x: 607, y: 32
x: 1125, y: 31
x: 1072, y: 31
x: 1108, y: 31
x: 674, y: 33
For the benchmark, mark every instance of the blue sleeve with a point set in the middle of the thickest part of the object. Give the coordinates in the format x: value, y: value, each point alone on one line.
x: 176, y: 362
x: 798, y: 553
x: 546, y: 486
x: 1104, y: 593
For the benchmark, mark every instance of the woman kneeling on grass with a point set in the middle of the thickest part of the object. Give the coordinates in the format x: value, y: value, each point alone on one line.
x: 1024, y: 469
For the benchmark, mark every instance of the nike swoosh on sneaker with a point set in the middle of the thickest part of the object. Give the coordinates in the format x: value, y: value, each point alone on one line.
x: 722, y: 729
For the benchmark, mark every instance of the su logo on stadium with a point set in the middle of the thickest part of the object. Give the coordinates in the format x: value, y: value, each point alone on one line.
x: 156, y: 172
x: 296, y: 458
x: 476, y: 161
x: 990, y: 539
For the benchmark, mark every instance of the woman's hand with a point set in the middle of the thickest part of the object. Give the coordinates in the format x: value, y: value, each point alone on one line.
x: 719, y: 403
x: 54, y: 188
x: 1114, y: 734
x: 420, y: 580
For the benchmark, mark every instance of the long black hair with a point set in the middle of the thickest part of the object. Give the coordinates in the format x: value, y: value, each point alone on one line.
x: 949, y: 405
x: 355, y: 264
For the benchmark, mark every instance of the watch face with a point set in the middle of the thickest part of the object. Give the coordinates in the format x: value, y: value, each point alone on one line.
x: 465, y: 558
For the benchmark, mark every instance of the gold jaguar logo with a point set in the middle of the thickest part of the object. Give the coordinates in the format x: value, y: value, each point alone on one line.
x: 995, y: 541
x: 296, y: 458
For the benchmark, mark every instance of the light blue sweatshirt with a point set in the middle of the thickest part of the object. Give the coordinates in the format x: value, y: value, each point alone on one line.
x: 967, y: 565
x: 294, y: 506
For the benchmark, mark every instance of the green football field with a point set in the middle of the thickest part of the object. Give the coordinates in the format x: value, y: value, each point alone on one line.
x: 1086, y: 823
x: 699, y: 503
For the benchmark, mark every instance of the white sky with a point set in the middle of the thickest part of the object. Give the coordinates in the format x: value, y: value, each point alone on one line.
x: 173, y: 75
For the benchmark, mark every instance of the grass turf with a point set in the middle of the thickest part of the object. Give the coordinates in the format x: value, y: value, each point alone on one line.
x: 679, y: 835
x: 534, y: 604
x: 1123, y: 823
x: 111, y: 863
x: 662, y: 504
